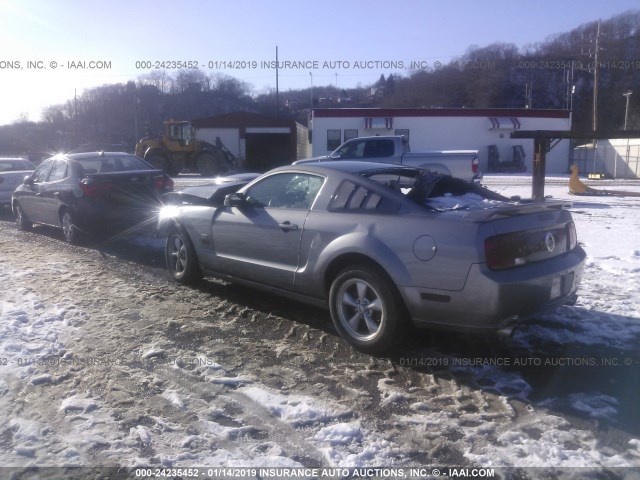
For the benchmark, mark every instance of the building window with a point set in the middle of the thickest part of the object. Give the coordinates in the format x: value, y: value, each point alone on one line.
x: 404, y: 132
x: 333, y: 139
x: 379, y: 123
x: 350, y: 133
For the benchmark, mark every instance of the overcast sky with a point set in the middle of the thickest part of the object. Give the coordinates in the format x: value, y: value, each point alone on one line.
x: 333, y: 42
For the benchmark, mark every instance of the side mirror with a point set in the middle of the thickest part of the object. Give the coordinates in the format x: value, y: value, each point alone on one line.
x: 234, y: 200
x: 335, y: 156
x: 28, y: 180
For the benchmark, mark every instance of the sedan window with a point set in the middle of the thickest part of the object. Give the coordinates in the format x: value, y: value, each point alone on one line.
x: 285, y: 190
x: 40, y: 174
x: 59, y: 171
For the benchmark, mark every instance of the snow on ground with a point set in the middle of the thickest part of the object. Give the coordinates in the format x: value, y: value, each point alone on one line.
x: 157, y: 402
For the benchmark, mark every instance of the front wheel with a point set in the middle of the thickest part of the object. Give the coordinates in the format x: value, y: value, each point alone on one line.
x: 366, y: 309
x: 22, y: 221
x: 182, y: 261
x: 69, y: 228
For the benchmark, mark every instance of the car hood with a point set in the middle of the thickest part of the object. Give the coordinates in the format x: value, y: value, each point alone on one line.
x: 211, y: 195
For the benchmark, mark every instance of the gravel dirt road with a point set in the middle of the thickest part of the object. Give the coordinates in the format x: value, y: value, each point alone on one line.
x: 106, y: 362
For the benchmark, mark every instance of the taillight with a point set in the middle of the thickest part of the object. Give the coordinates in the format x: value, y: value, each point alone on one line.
x: 95, y: 189
x: 519, y: 248
x: 163, y: 183
x: 572, y: 236
x: 503, y: 251
x: 475, y: 164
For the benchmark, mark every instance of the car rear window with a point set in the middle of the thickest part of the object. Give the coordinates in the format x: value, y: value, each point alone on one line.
x: 15, y: 165
x: 436, y: 191
x: 112, y: 163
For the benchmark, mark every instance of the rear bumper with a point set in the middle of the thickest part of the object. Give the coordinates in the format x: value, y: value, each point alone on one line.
x: 101, y: 217
x: 494, y: 300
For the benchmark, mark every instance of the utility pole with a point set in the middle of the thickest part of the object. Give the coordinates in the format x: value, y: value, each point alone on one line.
x: 595, y: 80
x: 570, y: 87
x: 277, y: 91
x: 626, y: 110
x: 76, y: 135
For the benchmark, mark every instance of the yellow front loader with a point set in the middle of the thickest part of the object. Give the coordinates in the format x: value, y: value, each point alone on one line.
x: 179, y: 151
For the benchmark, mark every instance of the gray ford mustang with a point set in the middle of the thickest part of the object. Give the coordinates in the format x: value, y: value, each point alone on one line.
x: 380, y: 245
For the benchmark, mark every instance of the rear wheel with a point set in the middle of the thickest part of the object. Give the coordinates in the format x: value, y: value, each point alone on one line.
x: 182, y: 261
x: 69, y: 228
x: 366, y: 309
x: 22, y: 221
x: 211, y: 163
x: 159, y: 161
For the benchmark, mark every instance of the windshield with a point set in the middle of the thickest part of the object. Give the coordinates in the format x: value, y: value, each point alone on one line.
x: 112, y: 163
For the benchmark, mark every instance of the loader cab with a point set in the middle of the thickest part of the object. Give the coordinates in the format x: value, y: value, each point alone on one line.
x: 179, y: 135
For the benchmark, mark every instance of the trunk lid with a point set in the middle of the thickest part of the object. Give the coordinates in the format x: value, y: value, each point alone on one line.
x: 523, y: 234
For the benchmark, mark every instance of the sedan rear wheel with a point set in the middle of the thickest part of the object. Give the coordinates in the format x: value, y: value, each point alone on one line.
x: 22, y: 221
x: 366, y: 309
x: 182, y: 261
x: 69, y: 228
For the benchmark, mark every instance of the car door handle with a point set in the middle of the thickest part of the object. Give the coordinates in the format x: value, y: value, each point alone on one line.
x: 288, y: 226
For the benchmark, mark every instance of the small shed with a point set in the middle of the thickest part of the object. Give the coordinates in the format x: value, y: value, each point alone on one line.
x: 260, y: 142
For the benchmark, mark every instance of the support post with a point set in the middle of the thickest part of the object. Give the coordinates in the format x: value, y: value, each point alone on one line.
x: 540, y: 145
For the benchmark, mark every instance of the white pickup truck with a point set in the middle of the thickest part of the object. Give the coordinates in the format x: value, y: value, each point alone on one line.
x: 395, y: 149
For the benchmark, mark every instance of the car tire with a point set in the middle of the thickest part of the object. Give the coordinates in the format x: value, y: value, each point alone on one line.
x: 366, y: 308
x: 69, y: 227
x: 22, y: 221
x: 182, y: 261
x: 210, y: 164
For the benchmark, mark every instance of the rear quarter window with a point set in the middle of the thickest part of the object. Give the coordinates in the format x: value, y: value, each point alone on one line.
x: 351, y: 197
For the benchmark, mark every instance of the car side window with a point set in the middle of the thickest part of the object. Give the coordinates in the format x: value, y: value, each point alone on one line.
x: 286, y: 190
x: 40, y: 174
x: 59, y: 171
x: 379, y: 149
x: 353, y: 150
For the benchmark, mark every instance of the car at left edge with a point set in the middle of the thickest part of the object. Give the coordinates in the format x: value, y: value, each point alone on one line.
x: 12, y: 173
x: 93, y: 192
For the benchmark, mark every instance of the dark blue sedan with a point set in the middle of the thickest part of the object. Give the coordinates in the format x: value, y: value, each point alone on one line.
x: 90, y: 192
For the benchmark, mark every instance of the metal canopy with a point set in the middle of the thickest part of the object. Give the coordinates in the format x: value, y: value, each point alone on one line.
x: 542, y: 143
